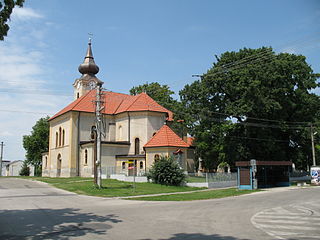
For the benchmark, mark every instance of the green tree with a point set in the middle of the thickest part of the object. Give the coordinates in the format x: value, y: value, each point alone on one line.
x: 37, y: 143
x: 25, y: 170
x: 166, y: 171
x: 6, y: 7
x: 246, y: 87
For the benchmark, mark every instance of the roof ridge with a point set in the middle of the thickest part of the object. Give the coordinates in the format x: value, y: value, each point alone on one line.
x: 137, y: 97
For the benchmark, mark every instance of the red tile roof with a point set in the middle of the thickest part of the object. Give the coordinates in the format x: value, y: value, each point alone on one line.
x: 190, y: 141
x: 165, y: 137
x: 115, y: 103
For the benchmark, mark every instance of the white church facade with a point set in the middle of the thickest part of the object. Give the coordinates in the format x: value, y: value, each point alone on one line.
x: 135, y: 132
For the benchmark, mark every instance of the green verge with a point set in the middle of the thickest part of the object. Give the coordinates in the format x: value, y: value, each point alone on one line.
x: 111, y: 187
x: 211, y: 194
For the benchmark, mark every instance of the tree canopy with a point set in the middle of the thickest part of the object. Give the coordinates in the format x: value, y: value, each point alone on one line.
x: 253, y: 104
x: 37, y: 142
x: 6, y: 7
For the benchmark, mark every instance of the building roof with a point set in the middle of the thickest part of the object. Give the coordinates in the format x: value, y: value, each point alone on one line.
x: 190, y: 141
x: 115, y: 103
x: 166, y: 137
x: 264, y: 163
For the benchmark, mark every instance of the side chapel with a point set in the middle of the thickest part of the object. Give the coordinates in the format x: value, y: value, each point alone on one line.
x: 136, y: 132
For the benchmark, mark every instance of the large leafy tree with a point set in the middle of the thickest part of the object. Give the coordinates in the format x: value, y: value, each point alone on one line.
x: 6, y: 7
x: 36, y: 143
x: 229, y: 107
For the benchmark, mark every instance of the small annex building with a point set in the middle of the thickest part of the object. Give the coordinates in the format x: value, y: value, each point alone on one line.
x: 263, y: 174
x: 136, y: 132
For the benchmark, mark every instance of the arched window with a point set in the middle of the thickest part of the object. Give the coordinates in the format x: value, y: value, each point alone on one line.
x: 120, y: 133
x: 123, y: 165
x: 85, y: 157
x: 156, y: 157
x: 60, y: 130
x: 57, y: 139
x: 136, y: 146
x: 63, y: 137
x: 78, y: 95
x: 141, y: 164
x: 59, y: 160
x: 46, y: 162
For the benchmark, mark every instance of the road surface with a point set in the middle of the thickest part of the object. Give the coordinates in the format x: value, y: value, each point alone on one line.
x: 33, y: 210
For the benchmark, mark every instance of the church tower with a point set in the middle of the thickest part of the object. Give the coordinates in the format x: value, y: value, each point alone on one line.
x: 88, y: 80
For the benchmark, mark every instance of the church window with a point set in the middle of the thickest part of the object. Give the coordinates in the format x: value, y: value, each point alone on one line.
x: 136, y: 146
x: 120, y: 133
x: 46, y: 162
x: 78, y: 95
x: 60, y: 130
x: 57, y: 139
x: 156, y: 157
x: 141, y: 164
x: 63, y: 137
x: 123, y: 165
x: 85, y: 157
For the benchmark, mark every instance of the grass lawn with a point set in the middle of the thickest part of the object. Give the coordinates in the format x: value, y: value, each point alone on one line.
x: 111, y: 187
x: 220, y: 193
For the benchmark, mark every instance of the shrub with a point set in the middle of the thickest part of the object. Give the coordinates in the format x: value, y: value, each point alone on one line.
x: 25, y: 170
x: 166, y: 171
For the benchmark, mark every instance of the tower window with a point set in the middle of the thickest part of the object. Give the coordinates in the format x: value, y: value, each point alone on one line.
x: 78, y: 95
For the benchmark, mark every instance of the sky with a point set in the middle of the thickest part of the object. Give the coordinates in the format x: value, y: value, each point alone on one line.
x: 133, y: 42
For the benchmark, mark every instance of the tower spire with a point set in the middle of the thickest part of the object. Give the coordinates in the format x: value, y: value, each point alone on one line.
x: 88, y: 66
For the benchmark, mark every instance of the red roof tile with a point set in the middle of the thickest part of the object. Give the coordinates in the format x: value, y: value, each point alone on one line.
x: 165, y: 137
x: 190, y: 140
x: 115, y: 103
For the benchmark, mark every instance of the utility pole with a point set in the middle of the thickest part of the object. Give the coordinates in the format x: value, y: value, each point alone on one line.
x: 312, y: 146
x: 1, y: 156
x: 99, y: 107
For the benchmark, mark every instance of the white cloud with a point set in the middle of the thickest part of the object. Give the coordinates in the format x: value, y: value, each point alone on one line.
x: 24, y: 14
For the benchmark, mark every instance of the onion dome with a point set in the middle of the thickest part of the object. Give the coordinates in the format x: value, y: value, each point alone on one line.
x: 88, y: 66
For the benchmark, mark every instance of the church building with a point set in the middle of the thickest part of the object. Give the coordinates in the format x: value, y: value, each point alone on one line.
x: 136, y: 132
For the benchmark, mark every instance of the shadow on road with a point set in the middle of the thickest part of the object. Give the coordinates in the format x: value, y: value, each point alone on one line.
x: 200, y: 236
x: 52, y: 223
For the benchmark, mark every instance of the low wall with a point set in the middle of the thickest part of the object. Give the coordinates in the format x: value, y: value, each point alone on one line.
x: 222, y: 184
x: 124, y: 178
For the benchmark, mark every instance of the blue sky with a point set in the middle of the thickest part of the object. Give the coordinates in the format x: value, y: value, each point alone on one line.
x: 134, y: 42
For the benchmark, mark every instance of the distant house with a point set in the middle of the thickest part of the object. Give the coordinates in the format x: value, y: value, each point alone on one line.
x: 136, y: 132
x: 11, y: 168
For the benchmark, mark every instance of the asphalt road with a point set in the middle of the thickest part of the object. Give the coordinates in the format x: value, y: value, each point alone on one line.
x: 32, y: 210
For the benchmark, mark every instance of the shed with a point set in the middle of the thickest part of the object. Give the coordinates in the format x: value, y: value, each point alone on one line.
x: 262, y: 174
